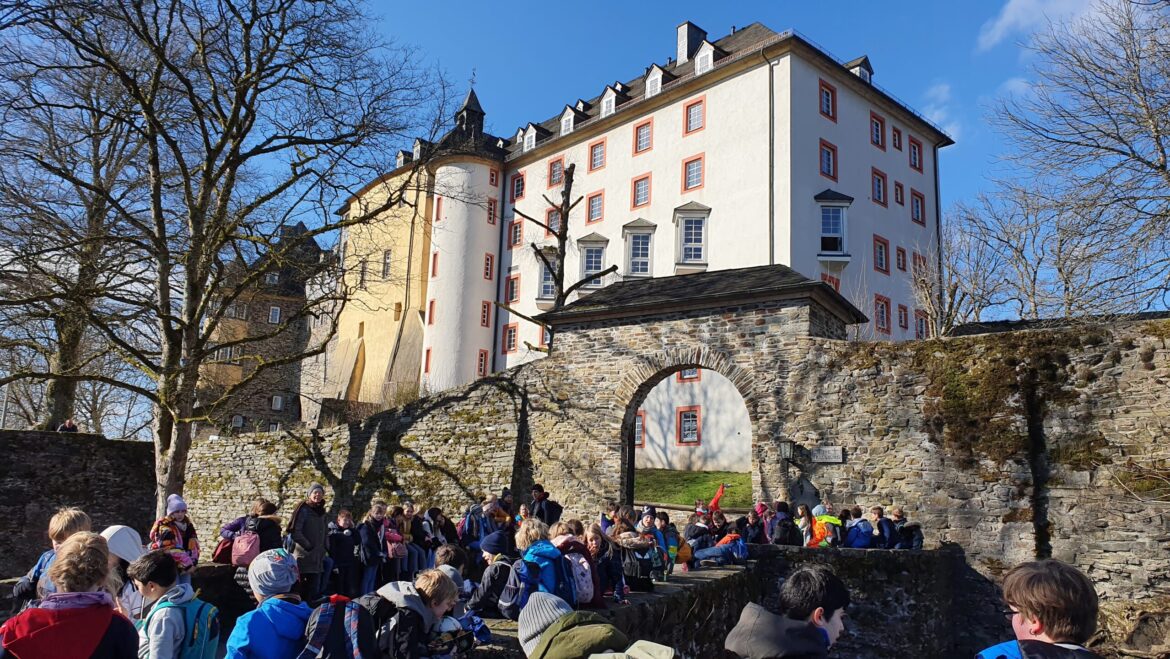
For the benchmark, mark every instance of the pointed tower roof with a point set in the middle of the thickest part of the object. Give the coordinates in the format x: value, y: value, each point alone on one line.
x: 471, y: 102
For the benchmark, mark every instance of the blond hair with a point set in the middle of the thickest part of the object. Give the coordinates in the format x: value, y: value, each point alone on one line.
x: 530, y: 531
x: 82, y: 563
x: 68, y: 521
x: 433, y: 587
x: 1055, y: 594
x: 559, y: 529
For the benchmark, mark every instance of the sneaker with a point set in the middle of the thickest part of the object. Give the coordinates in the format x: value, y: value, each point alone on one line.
x: 706, y: 562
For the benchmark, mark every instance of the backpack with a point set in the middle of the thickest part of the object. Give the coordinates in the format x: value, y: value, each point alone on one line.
x: 819, y: 532
x: 582, y: 576
x: 246, y: 546
x: 523, y: 580
x: 787, y: 533
x: 739, y: 549
x: 200, y: 628
x: 553, y: 511
x: 860, y: 535
x: 685, y: 553
x: 636, y: 566
x: 351, y: 614
x: 566, y: 583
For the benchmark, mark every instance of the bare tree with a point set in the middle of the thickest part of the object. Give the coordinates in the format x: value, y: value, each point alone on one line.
x: 254, y: 116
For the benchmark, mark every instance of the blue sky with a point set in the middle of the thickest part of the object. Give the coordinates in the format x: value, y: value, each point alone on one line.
x: 949, y: 60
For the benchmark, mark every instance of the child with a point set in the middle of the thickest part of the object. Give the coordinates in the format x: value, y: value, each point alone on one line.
x: 451, y: 561
x: 176, y: 534
x: 608, y: 560
x: 341, y: 544
x: 485, y: 599
x: 163, y: 631
x: 670, y: 537
x: 418, y: 608
x: 276, y: 628
x: 63, y: 524
x: 813, y: 600
x: 648, y: 527
x: 1053, y: 610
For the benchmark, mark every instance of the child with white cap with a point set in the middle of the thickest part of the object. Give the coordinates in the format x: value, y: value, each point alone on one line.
x: 125, y: 547
x: 276, y: 628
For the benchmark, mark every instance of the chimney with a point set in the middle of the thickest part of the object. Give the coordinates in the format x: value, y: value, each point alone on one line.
x: 689, y: 38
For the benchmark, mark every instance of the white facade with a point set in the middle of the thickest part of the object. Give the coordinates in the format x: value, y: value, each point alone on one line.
x: 698, y: 423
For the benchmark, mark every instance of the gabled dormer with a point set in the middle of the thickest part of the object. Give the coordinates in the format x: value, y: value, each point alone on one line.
x: 570, y: 118
x: 861, y: 68
x: 519, y: 136
x: 532, y: 134
x: 403, y: 158
x: 421, y: 146
x: 611, y: 98
x: 656, y: 77
x: 583, y: 105
x: 706, y: 56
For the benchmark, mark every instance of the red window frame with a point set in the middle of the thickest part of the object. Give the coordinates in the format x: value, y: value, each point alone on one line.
x: 678, y: 414
x: 698, y: 376
x: 896, y: 138
x: 832, y: 281
x: 485, y: 313
x: 427, y: 361
x: 910, y: 154
x: 519, y: 238
x: 921, y: 199
x: 702, y: 100
x: 514, y: 328
x: 548, y: 221
x: 831, y: 148
x: 434, y: 264
x: 489, y: 266
x: 873, y: 116
x: 649, y: 123
x: 518, y: 176
x: 553, y: 161
x: 900, y: 259
x: 823, y: 87
x: 918, y: 262
x: 880, y: 241
x: 512, y: 294
x: 431, y: 312
x: 701, y: 158
x: 878, y: 317
x: 481, y: 364
x: 879, y: 174
x: 491, y: 210
x: 494, y: 177
x: 649, y: 190
x: 438, y: 208
x: 921, y: 317
x: 903, y: 317
x: 604, y: 154
x: 599, y: 193
x: 640, y: 438
x: 899, y: 194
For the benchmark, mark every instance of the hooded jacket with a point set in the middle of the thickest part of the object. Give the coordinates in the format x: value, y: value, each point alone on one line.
x: 167, y: 533
x: 90, y: 632
x: 545, y: 555
x: 485, y: 599
x: 405, y: 635
x: 161, y: 636
x: 274, y: 630
x: 760, y: 634
x: 579, y: 634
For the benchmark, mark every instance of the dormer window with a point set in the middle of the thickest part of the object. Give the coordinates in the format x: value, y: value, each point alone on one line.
x: 566, y: 124
x: 653, y: 86
x: 530, y: 141
x: 703, y: 63
x: 863, y: 74
x: 607, y: 105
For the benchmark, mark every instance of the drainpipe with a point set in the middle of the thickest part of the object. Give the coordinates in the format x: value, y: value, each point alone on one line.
x: 771, y: 160
x: 505, y: 181
x: 938, y: 236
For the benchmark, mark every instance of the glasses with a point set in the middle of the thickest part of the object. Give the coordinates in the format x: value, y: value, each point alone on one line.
x: 1008, y: 612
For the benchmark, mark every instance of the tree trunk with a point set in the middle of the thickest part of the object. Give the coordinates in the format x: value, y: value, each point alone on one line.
x: 61, y: 394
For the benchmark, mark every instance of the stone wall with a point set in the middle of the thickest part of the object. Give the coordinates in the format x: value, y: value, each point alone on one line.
x: 42, y: 471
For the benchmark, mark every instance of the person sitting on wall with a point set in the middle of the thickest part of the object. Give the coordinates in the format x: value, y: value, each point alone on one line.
x: 485, y: 599
x: 68, y: 426
x: 885, y: 534
x: 909, y: 533
x: 1053, y: 611
x: 813, y: 600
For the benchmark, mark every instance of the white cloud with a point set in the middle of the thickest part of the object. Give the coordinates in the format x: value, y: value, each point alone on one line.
x: 939, y: 108
x: 1023, y: 17
x: 1017, y: 87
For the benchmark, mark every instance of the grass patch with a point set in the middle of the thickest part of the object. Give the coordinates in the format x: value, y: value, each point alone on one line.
x: 683, y: 487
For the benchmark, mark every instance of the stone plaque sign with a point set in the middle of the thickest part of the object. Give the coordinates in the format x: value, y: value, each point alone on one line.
x: 827, y: 454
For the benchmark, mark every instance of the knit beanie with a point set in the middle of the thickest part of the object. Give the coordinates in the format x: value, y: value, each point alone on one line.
x: 175, y: 504
x: 541, y: 611
x: 273, y: 572
x: 124, y: 542
x: 315, y: 486
x: 494, y: 543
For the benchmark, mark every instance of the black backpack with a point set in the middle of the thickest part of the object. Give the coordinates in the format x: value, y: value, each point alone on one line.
x: 553, y: 511
x: 523, y: 580
x: 636, y: 566
x: 788, y: 533
x: 341, y: 629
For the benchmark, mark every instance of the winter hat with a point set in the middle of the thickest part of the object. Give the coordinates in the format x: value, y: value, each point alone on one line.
x: 273, y: 572
x: 315, y: 486
x: 124, y: 542
x: 175, y: 504
x: 761, y: 508
x: 494, y: 543
x: 541, y: 611
x: 649, y: 510
x: 819, y: 510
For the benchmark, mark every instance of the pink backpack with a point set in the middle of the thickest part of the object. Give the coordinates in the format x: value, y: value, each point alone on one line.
x: 245, y: 547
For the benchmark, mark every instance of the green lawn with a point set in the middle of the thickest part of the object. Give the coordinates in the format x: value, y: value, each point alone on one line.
x: 683, y: 487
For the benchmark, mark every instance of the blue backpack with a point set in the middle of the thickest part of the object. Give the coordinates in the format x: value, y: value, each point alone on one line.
x: 523, y: 580
x: 860, y: 535
x: 566, y: 582
x: 200, y: 628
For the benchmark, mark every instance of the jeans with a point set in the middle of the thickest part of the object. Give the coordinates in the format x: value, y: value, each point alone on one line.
x: 369, y: 579
x: 322, y: 584
x: 721, y: 555
x: 416, y: 560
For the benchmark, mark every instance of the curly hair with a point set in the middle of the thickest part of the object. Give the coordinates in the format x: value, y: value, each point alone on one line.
x: 530, y: 531
x: 82, y: 564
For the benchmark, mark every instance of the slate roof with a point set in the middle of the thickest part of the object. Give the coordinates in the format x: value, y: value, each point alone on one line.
x: 828, y: 194
x: 702, y: 290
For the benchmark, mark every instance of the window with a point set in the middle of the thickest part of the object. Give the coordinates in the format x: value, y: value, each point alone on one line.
x: 481, y: 364
x: 878, y: 187
x: 596, y: 207
x: 491, y: 211
x: 552, y: 220
x: 689, y: 428
x: 829, y: 279
x: 640, y: 191
x: 494, y: 177
x: 274, y: 427
x: 274, y: 315
x: 278, y: 403
x: 915, y: 155
x: 272, y: 278
x: 639, y: 254
x: 596, y: 155
x: 692, y: 178
x: 510, y: 342
x: 896, y: 138
x: 903, y: 317
x: 237, y: 353
x: 592, y: 262
x: 434, y: 264
x: 832, y: 229
x: 653, y: 86
x: 530, y: 141
x: 919, y: 264
x: 643, y: 137
x: 237, y: 310
x: 881, y: 313
x: 690, y: 375
x: 881, y: 254
x: 693, y: 240
x: 485, y: 314
x: 566, y: 125
x: 427, y: 361
x: 363, y: 272
x: 877, y: 131
x: 517, y: 186
x: 900, y: 258
x: 917, y: 206
x: 607, y: 105
x: 438, y: 208
x: 545, y: 336
x: 640, y: 429
x: 515, y: 233
x: 899, y: 194
x: 489, y: 266
x: 431, y: 312
x: 703, y: 64
x: 512, y: 288
x: 696, y: 116
x: 921, y: 325
x: 556, y: 172
x: 548, y: 286
x: 386, y: 262
x: 828, y: 101
x: 828, y: 160
x: 237, y: 421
